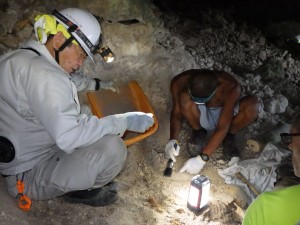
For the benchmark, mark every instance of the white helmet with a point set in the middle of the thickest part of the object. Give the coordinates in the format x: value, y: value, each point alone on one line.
x: 83, y: 26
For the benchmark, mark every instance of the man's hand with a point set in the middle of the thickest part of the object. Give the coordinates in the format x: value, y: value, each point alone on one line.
x: 109, y: 85
x: 193, y: 165
x: 139, y: 121
x: 172, y: 149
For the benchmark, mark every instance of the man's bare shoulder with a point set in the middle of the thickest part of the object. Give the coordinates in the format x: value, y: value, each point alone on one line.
x: 185, y: 73
x: 226, y: 77
x: 180, y: 81
x: 183, y: 76
x: 228, y: 89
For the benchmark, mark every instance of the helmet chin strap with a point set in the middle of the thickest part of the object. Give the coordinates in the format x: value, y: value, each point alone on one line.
x: 62, y: 47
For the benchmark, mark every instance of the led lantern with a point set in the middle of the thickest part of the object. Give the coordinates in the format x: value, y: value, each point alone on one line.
x: 198, y: 193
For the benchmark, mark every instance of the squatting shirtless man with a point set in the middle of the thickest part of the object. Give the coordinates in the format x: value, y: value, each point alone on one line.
x: 212, y: 104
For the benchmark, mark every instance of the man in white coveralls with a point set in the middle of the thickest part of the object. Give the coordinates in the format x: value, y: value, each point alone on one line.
x: 46, y: 141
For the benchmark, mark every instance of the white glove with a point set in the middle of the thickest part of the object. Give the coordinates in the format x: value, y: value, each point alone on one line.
x: 139, y: 121
x: 193, y: 165
x: 172, y: 149
x: 109, y: 85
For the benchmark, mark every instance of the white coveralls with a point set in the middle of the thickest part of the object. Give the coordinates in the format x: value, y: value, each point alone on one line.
x: 61, y: 149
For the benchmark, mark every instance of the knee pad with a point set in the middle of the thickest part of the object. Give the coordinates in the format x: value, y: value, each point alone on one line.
x: 7, y: 150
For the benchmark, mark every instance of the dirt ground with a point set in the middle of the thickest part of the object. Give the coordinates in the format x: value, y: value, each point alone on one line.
x: 145, y: 197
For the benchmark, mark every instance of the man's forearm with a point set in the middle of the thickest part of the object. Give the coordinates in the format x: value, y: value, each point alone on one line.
x: 175, y: 126
x: 214, y: 142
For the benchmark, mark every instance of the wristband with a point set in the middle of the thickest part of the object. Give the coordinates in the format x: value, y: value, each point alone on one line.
x: 97, y: 84
x: 204, y: 156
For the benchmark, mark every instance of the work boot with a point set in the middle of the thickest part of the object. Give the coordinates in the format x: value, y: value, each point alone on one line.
x: 112, y: 186
x: 197, y: 142
x: 102, y: 196
x: 230, y: 148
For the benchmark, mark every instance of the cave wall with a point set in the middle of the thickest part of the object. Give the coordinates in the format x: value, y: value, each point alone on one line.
x: 278, y: 20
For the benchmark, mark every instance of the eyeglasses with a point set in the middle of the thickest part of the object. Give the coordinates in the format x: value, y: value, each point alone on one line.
x: 199, y: 100
x: 286, y: 138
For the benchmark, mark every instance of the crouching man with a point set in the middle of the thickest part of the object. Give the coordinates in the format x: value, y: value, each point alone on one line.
x: 48, y: 147
x: 212, y: 104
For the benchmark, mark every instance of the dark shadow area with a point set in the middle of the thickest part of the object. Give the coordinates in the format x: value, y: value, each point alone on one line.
x: 278, y: 20
x: 253, y: 11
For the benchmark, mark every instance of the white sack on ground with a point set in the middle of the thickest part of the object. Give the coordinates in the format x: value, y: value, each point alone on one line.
x: 260, y: 172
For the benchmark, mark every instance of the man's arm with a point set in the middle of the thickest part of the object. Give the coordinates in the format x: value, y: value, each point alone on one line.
x: 177, y: 85
x: 88, y: 83
x: 224, y: 121
x: 175, y: 120
x: 176, y: 117
x: 83, y: 82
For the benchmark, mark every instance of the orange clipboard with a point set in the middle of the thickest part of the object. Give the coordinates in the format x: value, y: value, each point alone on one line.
x: 130, y: 98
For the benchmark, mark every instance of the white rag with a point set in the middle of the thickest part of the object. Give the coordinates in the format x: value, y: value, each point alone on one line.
x: 260, y: 172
